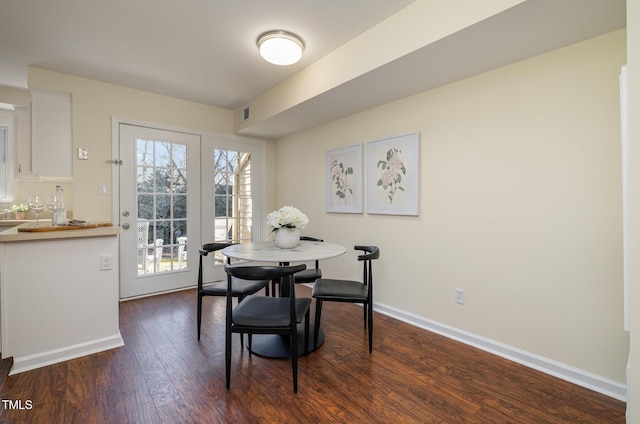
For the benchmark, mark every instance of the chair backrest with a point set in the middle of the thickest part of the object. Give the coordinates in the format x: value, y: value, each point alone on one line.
x: 143, y: 233
x: 159, y: 244
x: 182, y: 244
x: 261, y: 272
x: 207, y: 248
x: 307, y: 238
x: 370, y: 253
x: 204, y: 250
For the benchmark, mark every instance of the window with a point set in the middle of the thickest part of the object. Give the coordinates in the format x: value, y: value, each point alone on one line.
x: 5, y: 161
x: 162, y: 205
x: 233, y: 183
x: 232, y: 196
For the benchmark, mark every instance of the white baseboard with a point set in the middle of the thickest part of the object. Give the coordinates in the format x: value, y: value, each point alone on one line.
x: 42, y: 359
x: 577, y: 376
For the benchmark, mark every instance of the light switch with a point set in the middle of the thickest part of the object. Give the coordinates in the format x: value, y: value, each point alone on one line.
x: 83, y: 153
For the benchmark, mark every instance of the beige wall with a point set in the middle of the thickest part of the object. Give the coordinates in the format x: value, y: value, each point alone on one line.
x: 633, y: 70
x: 520, y: 203
x: 94, y: 105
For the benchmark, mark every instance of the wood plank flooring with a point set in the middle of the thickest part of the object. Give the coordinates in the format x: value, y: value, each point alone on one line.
x: 164, y: 375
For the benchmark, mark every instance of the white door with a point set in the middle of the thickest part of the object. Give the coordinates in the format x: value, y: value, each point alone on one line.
x: 159, y: 210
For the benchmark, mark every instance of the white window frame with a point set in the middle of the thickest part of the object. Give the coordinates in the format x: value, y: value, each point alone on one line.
x: 9, y: 149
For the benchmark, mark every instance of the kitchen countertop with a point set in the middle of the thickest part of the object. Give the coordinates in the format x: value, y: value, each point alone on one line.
x: 12, y: 234
x: 11, y: 222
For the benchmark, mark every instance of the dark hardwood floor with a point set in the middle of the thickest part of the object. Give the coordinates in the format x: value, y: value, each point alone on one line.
x: 164, y: 375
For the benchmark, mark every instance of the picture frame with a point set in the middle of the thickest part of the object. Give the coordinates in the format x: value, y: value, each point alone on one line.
x: 393, y: 175
x: 344, y: 180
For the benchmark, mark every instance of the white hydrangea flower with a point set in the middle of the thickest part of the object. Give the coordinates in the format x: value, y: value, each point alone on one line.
x: 287, y: 217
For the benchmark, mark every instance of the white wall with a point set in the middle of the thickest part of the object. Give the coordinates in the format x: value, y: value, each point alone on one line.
x: 520, y: 205
x: 57, y: 311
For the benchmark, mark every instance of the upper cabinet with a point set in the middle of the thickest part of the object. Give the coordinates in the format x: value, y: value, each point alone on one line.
x: 22, y: 129
x: 51, y: 137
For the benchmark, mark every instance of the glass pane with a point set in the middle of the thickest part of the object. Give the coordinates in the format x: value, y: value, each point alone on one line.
x: 179, y: 156
x: 163, y: 231
x: 144, y: 152
x: 145, y: 179
x: 220, y: 160
x: 220, y: 206
x: 151, y: 236
x: 163, y: 154
x: 179, y: 229
x: 163, y: 206
x: 163, y: 180
x: 145, y: 206
x: 179, y: 181
x: 179, y: 206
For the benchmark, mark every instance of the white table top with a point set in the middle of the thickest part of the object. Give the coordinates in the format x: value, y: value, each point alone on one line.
x: 268, y: 252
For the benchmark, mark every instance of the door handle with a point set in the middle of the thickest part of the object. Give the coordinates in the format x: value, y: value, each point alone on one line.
x: 125, y: 226
x: 125, y: 213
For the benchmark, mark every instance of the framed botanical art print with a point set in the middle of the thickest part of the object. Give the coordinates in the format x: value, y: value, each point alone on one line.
x: 344, y: 187
x: 393, y: 175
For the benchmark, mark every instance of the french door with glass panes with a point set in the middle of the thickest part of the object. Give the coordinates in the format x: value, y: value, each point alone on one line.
x: 178, y: 191
x: 159, y: 210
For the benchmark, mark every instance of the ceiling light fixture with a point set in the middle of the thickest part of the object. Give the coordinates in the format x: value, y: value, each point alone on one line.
x: 280, y: 47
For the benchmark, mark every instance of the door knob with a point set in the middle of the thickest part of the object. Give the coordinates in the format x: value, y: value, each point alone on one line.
x: 125, y: 226
x: 125, y: 213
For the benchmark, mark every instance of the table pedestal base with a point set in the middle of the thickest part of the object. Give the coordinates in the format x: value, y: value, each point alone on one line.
x: 277, y: 346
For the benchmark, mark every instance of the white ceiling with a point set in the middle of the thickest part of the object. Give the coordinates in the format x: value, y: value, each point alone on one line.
x: 205, y: 50
x: 199, y: 50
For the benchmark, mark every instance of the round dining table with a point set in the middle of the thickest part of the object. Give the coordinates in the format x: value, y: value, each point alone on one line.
x: 274, y: 345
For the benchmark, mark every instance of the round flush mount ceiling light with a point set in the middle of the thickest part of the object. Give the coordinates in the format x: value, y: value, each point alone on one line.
x: 280, y: 47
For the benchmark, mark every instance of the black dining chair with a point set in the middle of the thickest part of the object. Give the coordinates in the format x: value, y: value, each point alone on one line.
x: 239, y: 288
x: 309, y: 275
x: 332, y: 290
x: 267, y: 315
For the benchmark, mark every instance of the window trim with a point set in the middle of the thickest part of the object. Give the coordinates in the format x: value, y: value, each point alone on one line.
x: 9, y: 157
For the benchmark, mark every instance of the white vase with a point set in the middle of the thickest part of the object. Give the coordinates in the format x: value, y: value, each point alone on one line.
x: 287, y: 238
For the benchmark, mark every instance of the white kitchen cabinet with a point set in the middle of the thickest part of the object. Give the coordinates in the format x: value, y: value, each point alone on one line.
x: 22, y: 122
x: 51, y: 135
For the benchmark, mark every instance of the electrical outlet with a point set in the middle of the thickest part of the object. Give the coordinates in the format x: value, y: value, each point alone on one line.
x: 459, y: 296
x: 106, y: 262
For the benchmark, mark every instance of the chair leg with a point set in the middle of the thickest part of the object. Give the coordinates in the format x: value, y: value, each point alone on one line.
x: 294, y: 357
x: 306, y: 334
x: 241, y: 334
x: 370, y: 329
x: 370, y: 332
x: 316, y: 324
x: 227, y: 356
x: 364, y: 309
x: 199, y: 314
